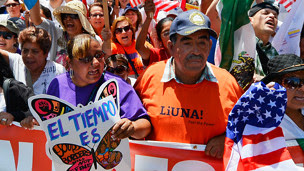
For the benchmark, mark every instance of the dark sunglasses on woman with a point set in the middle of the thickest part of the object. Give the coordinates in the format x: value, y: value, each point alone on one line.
x: 89, y: 59
x: 293, y: 82
x: 119, y: 69
x: 119, y: 30
x: 6, y: 35
x: 72, y: 16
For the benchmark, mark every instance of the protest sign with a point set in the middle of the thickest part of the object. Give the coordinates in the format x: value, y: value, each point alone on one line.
x: 79, y: 138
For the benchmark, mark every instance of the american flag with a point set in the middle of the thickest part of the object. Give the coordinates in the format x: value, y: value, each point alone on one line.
x: 165, y: 5
x: 254, y: 140
x: 286, y: 3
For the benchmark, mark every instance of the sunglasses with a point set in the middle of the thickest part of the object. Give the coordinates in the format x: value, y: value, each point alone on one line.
x: 11, y: 5
x: 6, y: 35
x: 72, y: 16
x: 119, y: 30
x: 119, y: 69
x: 97, y: 15
x: 89, y: 59
x: 293, y: 82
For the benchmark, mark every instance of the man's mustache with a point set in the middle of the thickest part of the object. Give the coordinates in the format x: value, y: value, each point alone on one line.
x: 192, y: 56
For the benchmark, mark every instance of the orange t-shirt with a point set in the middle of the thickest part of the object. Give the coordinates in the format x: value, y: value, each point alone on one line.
x: 132, y: 53
x: 187, y: 113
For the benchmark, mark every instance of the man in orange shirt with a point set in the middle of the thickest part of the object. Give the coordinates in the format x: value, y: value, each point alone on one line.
x: 187, y: 98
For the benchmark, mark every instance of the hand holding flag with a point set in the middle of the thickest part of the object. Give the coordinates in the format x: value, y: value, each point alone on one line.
x: 165, y: 5
x: 254, y: 140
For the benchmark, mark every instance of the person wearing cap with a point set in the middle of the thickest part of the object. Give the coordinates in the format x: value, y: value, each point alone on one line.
x: 73, y: 21
x: 8, y: 37
x: 135, y: 17
x: 288, y: 70
x: 174, y: 12
x: 264, y: 19
x: 187, y: 98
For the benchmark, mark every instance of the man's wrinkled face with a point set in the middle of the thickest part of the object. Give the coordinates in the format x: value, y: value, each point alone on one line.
x: 191, y: 52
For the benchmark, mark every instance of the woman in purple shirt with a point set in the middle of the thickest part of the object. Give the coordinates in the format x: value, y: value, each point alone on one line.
x: 86, y: 63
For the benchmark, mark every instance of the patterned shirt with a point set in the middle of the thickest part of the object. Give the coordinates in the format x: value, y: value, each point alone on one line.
x: 169, y: 73
x: 269, y: 50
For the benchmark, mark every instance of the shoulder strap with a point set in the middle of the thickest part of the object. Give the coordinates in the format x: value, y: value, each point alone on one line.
x: 263, y: 58
x: 6, y: 84
x: 131, y: 63
x: 28, y: 78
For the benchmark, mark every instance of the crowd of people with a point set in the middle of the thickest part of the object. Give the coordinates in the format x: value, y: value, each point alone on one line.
x: 170, y: 90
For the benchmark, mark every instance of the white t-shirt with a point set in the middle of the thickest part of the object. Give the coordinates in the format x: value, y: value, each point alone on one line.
x: 290, y: 129
x: 51, y: 70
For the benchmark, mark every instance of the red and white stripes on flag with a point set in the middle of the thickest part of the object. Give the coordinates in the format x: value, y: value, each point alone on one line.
x: 165, y: 5
x: 286, y: 3
x: 135, y: 3
x: 256, y: 152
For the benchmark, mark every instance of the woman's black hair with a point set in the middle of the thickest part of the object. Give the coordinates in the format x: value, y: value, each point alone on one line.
x: 5, y: 70
x: 160, y: 26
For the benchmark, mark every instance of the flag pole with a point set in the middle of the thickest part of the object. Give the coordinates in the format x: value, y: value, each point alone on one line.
x: 107, y: 43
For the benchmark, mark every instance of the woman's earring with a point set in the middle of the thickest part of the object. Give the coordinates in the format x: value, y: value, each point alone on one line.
x: 71, y: 72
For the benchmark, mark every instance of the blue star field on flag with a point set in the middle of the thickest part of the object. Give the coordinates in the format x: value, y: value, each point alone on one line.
x: 259, y: 106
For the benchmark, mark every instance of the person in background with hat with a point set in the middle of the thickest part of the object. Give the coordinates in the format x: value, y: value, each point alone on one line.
x: 264, y: 19
x: 9, y: 39
x: 187, y: 98
x: 288, y: 70
x: 72, y: 18
x: 135, y: 17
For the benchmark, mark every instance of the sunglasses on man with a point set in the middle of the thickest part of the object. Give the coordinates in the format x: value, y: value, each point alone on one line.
x: 6, y: 35
x: 97, y: 15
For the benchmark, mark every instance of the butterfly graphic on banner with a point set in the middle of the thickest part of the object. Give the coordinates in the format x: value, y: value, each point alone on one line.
x: 81, y: 158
